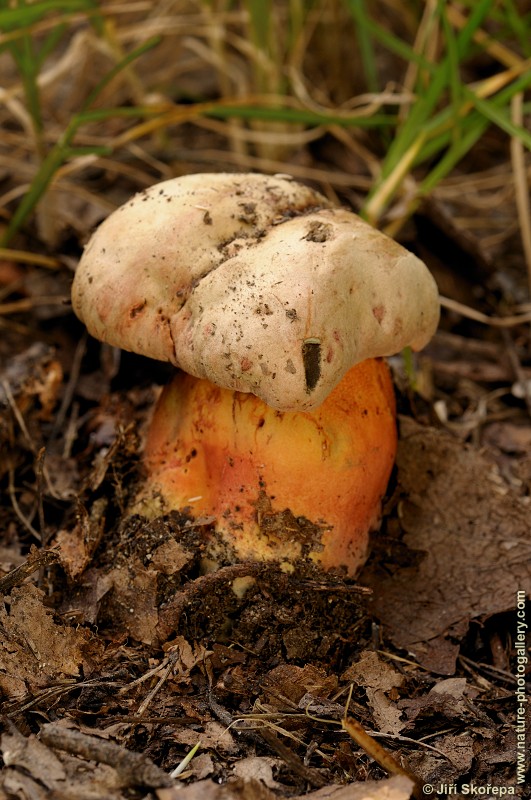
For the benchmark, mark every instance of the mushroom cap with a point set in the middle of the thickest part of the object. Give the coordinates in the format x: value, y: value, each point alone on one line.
x: 253, y: 282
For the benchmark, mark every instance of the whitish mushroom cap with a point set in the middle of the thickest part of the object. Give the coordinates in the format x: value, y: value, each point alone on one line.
x: 254, y: 282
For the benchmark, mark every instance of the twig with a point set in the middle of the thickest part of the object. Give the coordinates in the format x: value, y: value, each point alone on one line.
x: 478, y: 316
x: 134, y: 769
x: 17, y: 509
x: 517, y: 369
x: 496, y: 672
x: 382, y: 756
x: 170, y: 614
x: 18, y: 416
x: 145, y: 677
x: 18, y: 575
x: 31, y: 444
x: 39, y: 474
x: 158, y: 686
x: 70, y: 685
x: 70, y: 387
x: 312, y: 776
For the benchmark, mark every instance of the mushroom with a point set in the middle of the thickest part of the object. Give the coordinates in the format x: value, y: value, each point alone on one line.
x: 279, y: 308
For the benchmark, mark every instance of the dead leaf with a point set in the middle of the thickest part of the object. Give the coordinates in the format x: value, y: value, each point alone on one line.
x: 372, y: 671
x: 457, y: 688
x: 134, y: 600
x: 258, y: 768
x: 35, y: 648
x: 170, y: 557
x: 201, y: 766
x: 32, y: 769
x: 185, y: 657
x: 377, y: 677
x: 288, y: 682
x: 214, y: 736
x: 395, y: 788
x: 76, y: 547
x: 451, y: 763
x: 469, y: 533
x: 448, y: 698
x: 85, y: 599
x: 509, y: 437
x: 34, y: 373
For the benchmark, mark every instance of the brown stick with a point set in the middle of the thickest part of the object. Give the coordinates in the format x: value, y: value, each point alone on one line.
x: 18, y: 575
x: 134, y: 769
x: 382, y: 756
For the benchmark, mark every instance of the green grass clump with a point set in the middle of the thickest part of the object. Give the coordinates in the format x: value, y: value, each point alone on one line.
x: 291, y: 79
x: 20, y: 42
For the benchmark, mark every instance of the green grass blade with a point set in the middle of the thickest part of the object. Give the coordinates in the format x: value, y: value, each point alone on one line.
x: 300, y: 116
x: 360, y: 16
x: 60, y: 151
x: 416, y: 127
x: 519, y: 25
x: 260, y: 19
x: 50, y: 43
x: 132, y: 56
x: 461, y: 145
x: 14, y: 19
x: 500, y: 117
x: 454, y: 78
x: 392, y: 42
x: 479, y: 11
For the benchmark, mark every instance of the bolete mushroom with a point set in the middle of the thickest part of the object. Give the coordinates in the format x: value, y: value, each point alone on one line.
x: 279, y: 308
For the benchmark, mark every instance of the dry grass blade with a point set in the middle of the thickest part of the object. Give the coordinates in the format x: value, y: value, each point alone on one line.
x: 27, y: 303
x: 478, y: 316
x: 23, y: 257
x: 521, y: 183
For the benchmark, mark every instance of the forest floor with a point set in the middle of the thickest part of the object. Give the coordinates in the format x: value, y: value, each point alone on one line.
x: 118, y: 655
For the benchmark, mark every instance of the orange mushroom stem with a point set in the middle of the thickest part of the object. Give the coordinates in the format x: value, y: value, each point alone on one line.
x: 295, y: 486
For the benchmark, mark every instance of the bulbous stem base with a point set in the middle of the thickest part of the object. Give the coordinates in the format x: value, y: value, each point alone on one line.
x: 287, y: 486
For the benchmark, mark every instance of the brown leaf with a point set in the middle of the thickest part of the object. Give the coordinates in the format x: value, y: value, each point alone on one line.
x: 372, y: 671
x: 467, y: 530
x: 34, y: 648
x: 77, y: 547
x: 509, y: 437
x: 378, y: 677
x: 32, y: 374
x: 214, y: 736
x: 395, y: 788
x: 447, y: 698
x: 292, y: 683
x: 185, y: 656
x: 134, y: 600
x: 170, y: 557
x: 258, y: 768
x: 84, y: 602
x: 33, y: 769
